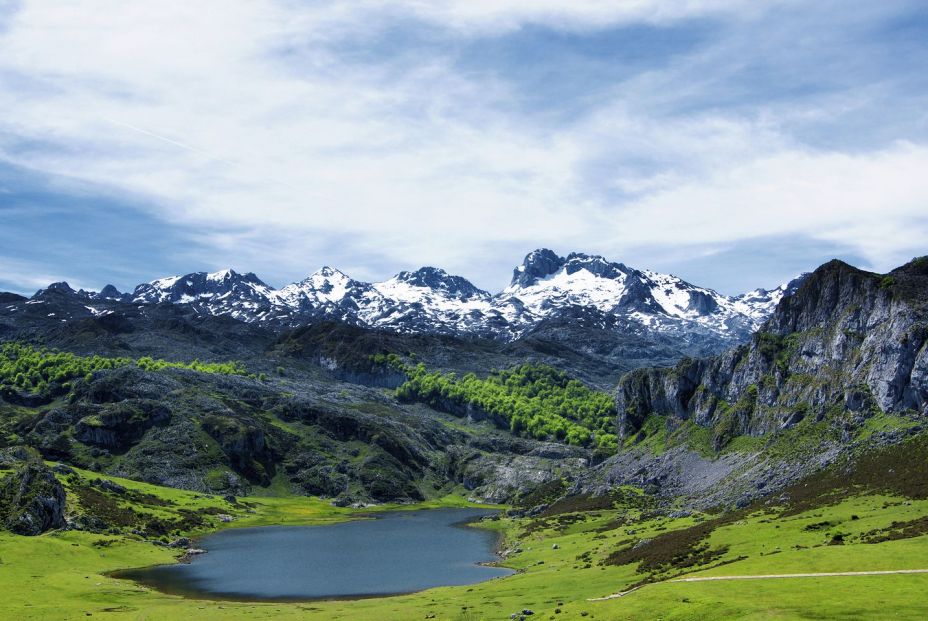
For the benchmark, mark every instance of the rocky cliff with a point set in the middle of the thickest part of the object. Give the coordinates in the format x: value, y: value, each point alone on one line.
x: 847, y: 345
x: 32, y: 500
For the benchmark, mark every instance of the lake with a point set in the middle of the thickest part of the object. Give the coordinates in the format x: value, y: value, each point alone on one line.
x: 398, y: 552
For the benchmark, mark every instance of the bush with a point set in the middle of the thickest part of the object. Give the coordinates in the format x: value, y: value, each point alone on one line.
x: 42, y: 371
x: 535, y: 401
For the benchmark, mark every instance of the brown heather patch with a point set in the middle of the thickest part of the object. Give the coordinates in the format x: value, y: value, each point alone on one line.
x: 897, y: 530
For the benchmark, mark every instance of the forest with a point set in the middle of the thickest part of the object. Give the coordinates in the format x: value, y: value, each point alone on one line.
x: 536, y: 401
x: 24, y: 368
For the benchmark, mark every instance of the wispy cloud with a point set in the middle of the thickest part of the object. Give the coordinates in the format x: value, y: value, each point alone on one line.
x: 278, y: 136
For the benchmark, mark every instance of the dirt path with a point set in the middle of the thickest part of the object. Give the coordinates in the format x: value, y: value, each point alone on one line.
x: 770, y: 576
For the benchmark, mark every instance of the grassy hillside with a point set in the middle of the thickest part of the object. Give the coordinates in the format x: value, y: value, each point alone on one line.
x: 869, y: 518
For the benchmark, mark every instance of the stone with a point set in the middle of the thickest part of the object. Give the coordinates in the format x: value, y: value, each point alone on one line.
x: 63, y: 469
x: 110, y: 486
x: 32, y: 501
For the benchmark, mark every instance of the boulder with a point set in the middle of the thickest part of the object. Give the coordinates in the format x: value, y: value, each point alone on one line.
x: 15, y: 455
x: 120, y: 425
x: 109, y: 486
x: 63, y: 469
x: 32, y: 501
x: 88, y: 523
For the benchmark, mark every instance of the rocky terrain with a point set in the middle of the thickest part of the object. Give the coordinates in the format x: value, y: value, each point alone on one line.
x: 313, y: 416
x: 32, y: 499
x: 840, y: 364
x: 849, y: 343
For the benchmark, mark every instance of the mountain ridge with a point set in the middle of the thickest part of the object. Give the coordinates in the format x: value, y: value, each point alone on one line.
x: 847, y: 340
x: 545, y: 287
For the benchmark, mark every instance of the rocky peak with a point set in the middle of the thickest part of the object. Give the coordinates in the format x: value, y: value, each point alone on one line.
x: 230, y: 277
x: 325, y: 286
x: 826, y: 293
x: 441, y: 281
x: 199, y: 286
x: 595, y: 264
x: 330, y: 273
x: 57, y: 287
x: 109, y: 292
x: 326, y: 280
x: 858, y: 335
x: 910, y: 281
x: 537, y: 264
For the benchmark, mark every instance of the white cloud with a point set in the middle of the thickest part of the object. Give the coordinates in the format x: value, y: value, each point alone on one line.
x: 876, y: 202
x: 239, y: 119
x: 198, y: 114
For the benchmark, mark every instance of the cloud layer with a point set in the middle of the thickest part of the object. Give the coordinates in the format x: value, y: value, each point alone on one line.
x: 277, y: 136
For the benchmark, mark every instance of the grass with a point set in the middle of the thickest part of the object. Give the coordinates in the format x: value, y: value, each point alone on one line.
x: 63, y: 575
x: 651, y: 436
x: 884, y: 423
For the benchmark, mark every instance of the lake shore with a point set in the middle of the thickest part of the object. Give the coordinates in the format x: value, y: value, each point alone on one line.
x: 407, y: 551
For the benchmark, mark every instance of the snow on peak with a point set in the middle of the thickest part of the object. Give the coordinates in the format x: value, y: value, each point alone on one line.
x: 546, y: 284
x: 202, y: 286
x: 165, y: 283
x: 429, y: 299
x: 435, y: 281
x: 569, y: 285
x: 221, y: 275
x: 325, y: 285
x: 537, y: 264
x: 760, y: 303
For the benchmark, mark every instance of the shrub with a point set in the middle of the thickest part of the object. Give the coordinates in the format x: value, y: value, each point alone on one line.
x: 535, y: 401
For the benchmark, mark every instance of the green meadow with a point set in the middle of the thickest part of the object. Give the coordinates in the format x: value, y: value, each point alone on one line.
x: 566, y: 558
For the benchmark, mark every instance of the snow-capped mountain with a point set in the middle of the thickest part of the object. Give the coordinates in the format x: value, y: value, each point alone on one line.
x: 760, y: 303
x: 545, y: 280
x: 242, y: 296
x: 544, y: 288
x: 427, y: 300
x: 637, y: 300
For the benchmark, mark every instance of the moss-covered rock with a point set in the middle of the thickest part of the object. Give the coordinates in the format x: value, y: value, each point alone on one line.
x: 32, y: 500
x: 119, y: 425
x: 384, y: 478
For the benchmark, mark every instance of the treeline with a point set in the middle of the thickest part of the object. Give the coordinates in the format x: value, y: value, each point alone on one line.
x: 536, y: 401
x: 38, y: 370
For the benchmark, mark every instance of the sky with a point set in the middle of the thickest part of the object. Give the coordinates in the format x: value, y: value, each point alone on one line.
x: 734, y: 143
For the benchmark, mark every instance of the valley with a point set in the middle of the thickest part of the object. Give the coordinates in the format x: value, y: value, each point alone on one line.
x: 464, y: 310
x: 566, y: 561
x: 131, y: 429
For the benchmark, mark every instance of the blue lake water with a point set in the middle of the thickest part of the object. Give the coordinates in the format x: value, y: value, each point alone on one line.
x: 399, y: 552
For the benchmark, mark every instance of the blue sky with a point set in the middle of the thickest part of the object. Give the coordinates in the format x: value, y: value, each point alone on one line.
x: 732, y: 142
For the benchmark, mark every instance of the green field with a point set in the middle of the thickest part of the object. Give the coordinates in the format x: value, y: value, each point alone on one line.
x: 62, y: 575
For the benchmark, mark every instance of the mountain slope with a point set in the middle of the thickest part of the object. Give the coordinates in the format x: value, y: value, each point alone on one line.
x: 849, y: 344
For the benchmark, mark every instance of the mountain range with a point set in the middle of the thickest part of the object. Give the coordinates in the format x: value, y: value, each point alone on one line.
x: 545, y: 289
x: 838, y: 357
